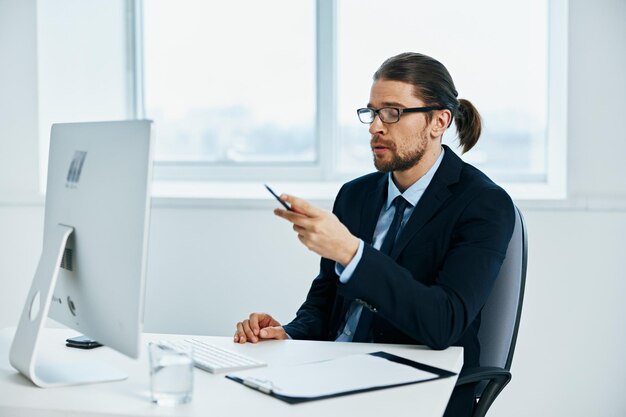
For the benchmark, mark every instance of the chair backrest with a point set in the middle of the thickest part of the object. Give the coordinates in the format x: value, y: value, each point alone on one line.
x: 501, y: 314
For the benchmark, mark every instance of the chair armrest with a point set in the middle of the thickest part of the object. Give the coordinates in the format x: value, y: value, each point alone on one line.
x: 491, y: 380
x: 484, y: 373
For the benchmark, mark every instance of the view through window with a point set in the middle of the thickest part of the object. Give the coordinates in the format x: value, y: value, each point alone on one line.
x: 235, y: 83
x: 497, y: 59
x: 231, y: 82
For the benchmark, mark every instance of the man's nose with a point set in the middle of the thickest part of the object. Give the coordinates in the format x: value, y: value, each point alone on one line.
x: 377, y: 126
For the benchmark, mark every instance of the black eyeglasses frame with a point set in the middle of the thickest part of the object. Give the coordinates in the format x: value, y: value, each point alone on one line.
x: 398, y: 109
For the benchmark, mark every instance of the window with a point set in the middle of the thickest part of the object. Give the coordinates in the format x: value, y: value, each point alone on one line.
x: 250, y: 90
x: 509, y: 89
x: 231, y: 83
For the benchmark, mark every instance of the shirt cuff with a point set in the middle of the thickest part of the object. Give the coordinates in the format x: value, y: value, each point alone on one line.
x: 346, y: 273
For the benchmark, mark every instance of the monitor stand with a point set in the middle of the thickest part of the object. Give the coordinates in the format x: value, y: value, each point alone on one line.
x: 23, y: 355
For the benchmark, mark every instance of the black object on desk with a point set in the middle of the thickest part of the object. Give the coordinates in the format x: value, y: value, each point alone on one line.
x: 82, y: 342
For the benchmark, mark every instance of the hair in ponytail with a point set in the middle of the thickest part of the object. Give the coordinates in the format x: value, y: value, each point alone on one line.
x: 468, y: 124
x: 434, y: 85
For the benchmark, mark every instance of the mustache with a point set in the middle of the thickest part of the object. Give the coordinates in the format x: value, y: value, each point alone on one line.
x: 376, y: 141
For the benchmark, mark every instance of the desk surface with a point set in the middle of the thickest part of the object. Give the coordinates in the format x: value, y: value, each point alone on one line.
x: 214, y: 395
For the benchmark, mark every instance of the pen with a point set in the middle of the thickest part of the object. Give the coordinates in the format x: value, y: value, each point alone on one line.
x: 278, y: 198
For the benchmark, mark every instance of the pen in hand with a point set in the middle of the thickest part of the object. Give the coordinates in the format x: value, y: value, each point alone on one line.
x: 278, y: 198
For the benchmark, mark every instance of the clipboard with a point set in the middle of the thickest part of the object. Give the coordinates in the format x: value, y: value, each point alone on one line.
x: 346, y: 375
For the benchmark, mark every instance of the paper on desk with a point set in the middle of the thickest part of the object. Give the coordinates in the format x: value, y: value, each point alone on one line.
x: 345, y: 374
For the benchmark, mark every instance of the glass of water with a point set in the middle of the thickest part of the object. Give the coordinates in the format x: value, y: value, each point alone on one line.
x: 171, y: 373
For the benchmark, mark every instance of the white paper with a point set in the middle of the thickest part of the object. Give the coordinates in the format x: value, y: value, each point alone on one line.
x: 348, y: 373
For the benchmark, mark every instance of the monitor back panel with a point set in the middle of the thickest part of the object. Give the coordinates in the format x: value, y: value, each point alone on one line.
x: 98, y: 183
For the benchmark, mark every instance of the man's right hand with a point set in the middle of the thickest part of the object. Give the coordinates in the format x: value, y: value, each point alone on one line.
x: 259, y: 326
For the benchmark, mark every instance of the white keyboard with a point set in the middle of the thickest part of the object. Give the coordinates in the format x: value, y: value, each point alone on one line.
x: 216, y: 359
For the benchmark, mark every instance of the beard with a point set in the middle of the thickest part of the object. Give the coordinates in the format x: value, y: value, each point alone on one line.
x: 401, y: 162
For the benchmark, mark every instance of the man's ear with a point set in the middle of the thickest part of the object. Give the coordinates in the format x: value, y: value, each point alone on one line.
x: 440, y: 121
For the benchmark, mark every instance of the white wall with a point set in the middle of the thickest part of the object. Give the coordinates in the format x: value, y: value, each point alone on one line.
x: 20, y: 209
x: 213, y: 262
x: 19, y: 163
x: 569, y: 359
x: 90, y: 80
x: 597, y: 89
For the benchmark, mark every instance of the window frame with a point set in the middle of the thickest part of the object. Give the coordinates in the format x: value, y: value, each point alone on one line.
x: 323, y: 169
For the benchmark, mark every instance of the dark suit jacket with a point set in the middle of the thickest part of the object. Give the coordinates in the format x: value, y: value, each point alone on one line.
x: 431, y: 288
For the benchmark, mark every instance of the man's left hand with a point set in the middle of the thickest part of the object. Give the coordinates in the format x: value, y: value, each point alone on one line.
x: 320, y: 230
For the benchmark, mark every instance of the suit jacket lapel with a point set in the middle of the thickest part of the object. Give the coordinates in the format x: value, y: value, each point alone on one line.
x: 371, y: 209
x: 435, y: 195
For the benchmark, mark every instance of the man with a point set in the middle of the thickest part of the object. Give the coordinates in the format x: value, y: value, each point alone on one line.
x: 410, y: 253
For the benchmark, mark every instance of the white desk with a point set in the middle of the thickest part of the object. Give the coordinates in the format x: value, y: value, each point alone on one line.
x: 215, y: 395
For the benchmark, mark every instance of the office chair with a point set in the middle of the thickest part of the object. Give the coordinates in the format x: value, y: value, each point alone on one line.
x: 499, y: 324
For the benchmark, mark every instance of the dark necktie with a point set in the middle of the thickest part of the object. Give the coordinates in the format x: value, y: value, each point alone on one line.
x: 365, y: 321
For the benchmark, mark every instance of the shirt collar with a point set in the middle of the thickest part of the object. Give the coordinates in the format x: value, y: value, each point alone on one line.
x: 415, y: 191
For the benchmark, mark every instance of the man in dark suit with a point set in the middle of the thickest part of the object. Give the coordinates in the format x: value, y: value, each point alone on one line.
x: 410, y: 253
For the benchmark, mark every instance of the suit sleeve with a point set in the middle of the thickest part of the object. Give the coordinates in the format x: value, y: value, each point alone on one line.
x: 313, y: 318
x: 439, y: 314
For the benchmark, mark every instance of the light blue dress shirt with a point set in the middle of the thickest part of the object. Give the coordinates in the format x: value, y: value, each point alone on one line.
x: 412, y: 195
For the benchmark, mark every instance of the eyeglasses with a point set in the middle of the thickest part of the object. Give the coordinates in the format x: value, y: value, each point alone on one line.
x: 390, y: 114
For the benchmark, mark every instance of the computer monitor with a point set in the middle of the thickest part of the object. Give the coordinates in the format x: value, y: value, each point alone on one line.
x: 91, y: 272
